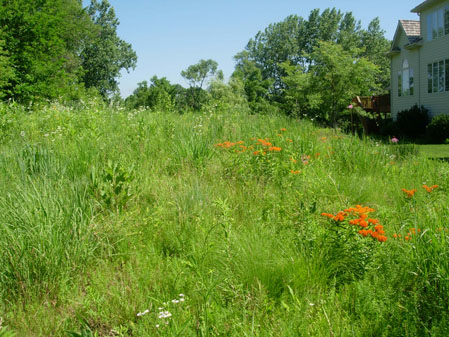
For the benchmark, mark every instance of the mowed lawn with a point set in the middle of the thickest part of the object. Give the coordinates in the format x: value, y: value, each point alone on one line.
x: 225, y: 223
x: 434, y: 151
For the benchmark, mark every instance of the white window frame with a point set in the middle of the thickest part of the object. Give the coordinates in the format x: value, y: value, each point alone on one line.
x: 406, y: 80
x: 438, y: 76
x: 438, y: 23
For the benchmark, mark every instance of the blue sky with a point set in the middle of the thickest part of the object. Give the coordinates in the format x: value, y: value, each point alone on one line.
x: 170, y: 35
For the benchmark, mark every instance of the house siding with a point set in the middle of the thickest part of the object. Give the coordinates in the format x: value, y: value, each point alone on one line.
x: 430, y: 52
x: 433, y: 51
x: 399, y: 103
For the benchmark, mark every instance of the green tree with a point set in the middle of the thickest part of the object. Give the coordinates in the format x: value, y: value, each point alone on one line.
x: 36, y: 35
x: 106, y: 54
x: 299, y: 97
x: 160, y: 95
x: 338, y: 76
x: 197, y: 75
x: 375, y: 47
x: 6, y: 71
x: 256, y: 88
x: 293, y: 41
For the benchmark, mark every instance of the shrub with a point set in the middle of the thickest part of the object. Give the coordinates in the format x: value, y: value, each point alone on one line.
x: 413, y: 122
x: 438, y: 129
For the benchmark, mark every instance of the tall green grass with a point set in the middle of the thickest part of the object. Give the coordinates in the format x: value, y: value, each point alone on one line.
x: 107, y: 213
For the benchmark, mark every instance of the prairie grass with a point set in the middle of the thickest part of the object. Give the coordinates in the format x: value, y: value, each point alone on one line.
x: 109, y: 216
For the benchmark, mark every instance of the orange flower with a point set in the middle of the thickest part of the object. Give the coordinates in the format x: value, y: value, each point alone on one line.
x: 363, y: 232
x: 264, y: 142
x: 275, y: 149
x: 409, y: 193
x: 381, y: 238
x: 283, y: 129
x: 429, y: 189
x: 363, y: 224
x: 373, y: 221
x: 290, y: 140
x: 256, y: 153
x: 295, y: 171
x: 395, y: 236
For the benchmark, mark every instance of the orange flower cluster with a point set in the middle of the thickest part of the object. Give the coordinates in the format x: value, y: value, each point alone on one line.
x: 295, y: 171
x: 340, y: 216
x: 228, y: 145
x: 377, y: 234
x: 283, y: 129
x: 362, y: 221
x: 429, y: 189
x: 409, y: 235
x: 264, y: 142
x: 409, y: 193
x: 256, y: 148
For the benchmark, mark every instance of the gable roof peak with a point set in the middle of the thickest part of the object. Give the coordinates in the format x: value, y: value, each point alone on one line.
x: 422, y: 6
x: 412, y: 29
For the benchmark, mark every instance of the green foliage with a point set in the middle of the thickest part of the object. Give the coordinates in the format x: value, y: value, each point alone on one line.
x: 36, y: 36
x: 106, y: 54
x: 256, y: 89
x: 294, y: 40
x: 159, y: 96
x: 437, y: 131
x: 299, y: 99
x: 412, y: 122
x: 112, y: 185
x: 339, y: 76
x: 6, y: 71
x: 197, y: 75
x: 54, y: 49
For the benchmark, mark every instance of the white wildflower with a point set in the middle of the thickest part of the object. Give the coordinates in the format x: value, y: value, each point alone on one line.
x: 143, y: 313
x: 157, y: 326
x: 175, y: 301
x: 22, y: 133
x: 181, y: 299
x: 164, y: 314
x: 181, y: 295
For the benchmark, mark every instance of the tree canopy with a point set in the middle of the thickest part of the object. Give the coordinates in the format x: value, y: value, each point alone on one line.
x: 57, y: 48
x: 294, y: 41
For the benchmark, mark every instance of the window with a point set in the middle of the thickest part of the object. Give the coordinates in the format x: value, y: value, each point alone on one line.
x: 447, y: 75
x: 438, y: 76
x: 405, y: 80
x: 429, y: 78
x: 438, y: 23
x: 441, y: 76
x: 446, y: 20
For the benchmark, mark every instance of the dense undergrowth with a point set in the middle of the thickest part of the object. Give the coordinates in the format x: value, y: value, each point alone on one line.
x: 137, y: 223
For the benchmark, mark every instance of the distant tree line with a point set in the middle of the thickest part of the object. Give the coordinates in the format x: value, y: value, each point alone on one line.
x: 299, y: 66
x: 53, y: 49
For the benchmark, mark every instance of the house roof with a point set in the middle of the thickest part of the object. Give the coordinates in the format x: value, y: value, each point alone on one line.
x: 412, y: 29
x: 424, y: 5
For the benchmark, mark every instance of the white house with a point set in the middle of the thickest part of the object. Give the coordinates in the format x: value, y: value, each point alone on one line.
x: 420, y: 60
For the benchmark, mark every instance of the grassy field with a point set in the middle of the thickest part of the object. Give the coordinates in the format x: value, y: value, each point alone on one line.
x: 119, y: 223
x: 435, y: 151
